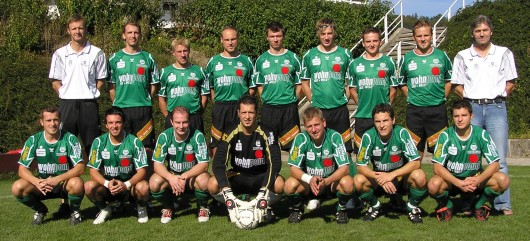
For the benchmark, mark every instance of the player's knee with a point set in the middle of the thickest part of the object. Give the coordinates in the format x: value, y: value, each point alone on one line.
x: 213, y: 186
x: 419, y: 179
x: 201, y: 181
x: 291, y: 185
x: 18, y: 187
x: 360, y: 182
x: 142, y: 189
x: 155, y: 182
x: 75, y: 186
x: 434, y: 185
x: 279, y: 184
x: 503, y: 181
x: 346, y: 185
x: 90, y: 187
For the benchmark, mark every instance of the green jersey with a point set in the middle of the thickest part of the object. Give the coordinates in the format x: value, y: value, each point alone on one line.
x: 372, y: 78
x: 53, y: 159
x: 387, y: 156
x: 181, y: 155
x: 463, y: 158
x: 230, y: 78
x: 320, y: 160
x: 278, y: 74
x: 183, y: 87
x: 327, y: 74
x: 425, y: 77
x: 132, y: 75
x: 120, y: 160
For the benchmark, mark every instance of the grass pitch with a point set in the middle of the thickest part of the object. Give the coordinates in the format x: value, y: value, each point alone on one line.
x: 319, y: 224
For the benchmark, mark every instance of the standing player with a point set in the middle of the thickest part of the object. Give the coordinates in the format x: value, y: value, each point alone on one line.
x: 59, y: 166
x: 425, y: 75
x: 132, y: 83
x: 485, y: 75
x: 396, y: 165
x: 186, y: 153
x: 183, y: 84
x: 319, y: 166
x: 77, y: 72
x: 254, y: 158
x: 230, y: 76
x: 277, y: 77
x: 324, y: 80
x: 118, y: 166
x: 373, y: 81
x: 458, y: 165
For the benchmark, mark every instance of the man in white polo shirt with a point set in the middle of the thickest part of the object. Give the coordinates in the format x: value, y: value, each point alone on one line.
x: 484, y: 75
x: 77, y: 72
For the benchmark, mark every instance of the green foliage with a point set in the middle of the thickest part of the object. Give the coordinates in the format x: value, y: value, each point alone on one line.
x: 508, y: 31
x: 21, y: 24
x: 25, y: 91
x: 202, y: 20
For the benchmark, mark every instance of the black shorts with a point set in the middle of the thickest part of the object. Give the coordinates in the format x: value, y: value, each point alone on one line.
x: 59, y: 191
x: 283, y: 121
x: 81, y: 117
x: 361, y: 126
x: 139, y: 122
x: 247, y: 183
x: 425, y: 124
x: 224, y: 116
x: 338, y: 119
x: 195, y: 121
x: 400, y: 183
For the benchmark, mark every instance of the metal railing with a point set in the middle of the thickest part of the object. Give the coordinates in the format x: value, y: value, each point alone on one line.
x: 439, y: 38
x: 388, y: 27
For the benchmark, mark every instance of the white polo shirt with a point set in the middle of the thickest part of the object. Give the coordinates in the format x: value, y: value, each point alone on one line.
x: 484, y: 78
x: 78, y: 72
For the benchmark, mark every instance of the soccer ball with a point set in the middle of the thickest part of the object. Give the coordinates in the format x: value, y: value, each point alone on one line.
x: 246, y: 215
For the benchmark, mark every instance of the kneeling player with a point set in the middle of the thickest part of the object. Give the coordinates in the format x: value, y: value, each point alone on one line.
x: 255, y: 160
x: 319, y: 164
x: 396, y: 165
x: 458, y: 166
x: 59, y: 162
x: 118, y: 166
x: 187, y: 158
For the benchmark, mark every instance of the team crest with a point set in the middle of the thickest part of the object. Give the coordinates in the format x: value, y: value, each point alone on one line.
x: 326, y: 152
x: 473, y: 147
x: 286, y: 61
x: 337, y: 58
x: 142, y: 61
x: 436, y: 61
x: 239, y: 64
x: 125, y: 152
x: 394, y: 148
x: 258, y: 143
x: 189, y: 147
x: 62, y: 149
x: 192, y: 74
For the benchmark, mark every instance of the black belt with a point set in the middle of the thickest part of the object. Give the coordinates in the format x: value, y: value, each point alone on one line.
x: 486, y: 101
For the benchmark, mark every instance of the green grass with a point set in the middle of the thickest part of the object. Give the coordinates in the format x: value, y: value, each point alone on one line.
x: 316, y: 225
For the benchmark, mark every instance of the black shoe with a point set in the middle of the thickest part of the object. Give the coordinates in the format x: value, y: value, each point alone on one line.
x: 295, y: 216
x: 38, y: 218
x: 62, y: 212
x: 341, y: 217
x: 269, y: 216
x: 372, y: 214
x: 415, y: 215
x: 75, y: 218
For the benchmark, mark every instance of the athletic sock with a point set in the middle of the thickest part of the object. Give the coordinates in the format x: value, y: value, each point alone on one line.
x: 370, y: 198
x: 296, y: 200
x: 32, y: 202
x: 343, y: 199
x: 488, y: 194
x: 416, y: 196
x: 443, y: 200
x: 202, y: 198
x: 163, y: 197
x: 75, y: 202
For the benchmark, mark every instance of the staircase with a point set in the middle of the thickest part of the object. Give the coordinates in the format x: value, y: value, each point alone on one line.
x: 405, y: 38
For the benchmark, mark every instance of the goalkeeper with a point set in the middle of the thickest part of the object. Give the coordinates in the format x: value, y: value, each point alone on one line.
x: 254, y: 158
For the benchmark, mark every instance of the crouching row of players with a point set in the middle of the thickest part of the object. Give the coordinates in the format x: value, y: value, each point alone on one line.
x: 319, y: 166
